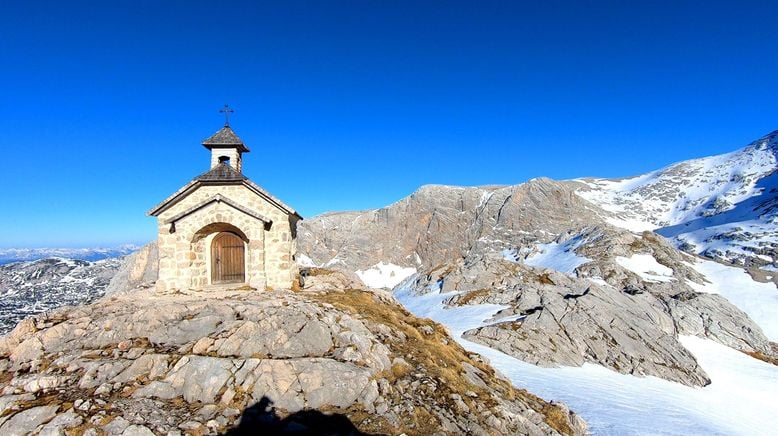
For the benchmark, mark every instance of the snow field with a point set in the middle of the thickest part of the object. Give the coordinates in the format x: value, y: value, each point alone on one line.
x: 557, y: 256
x: 739, y: 401
x: 384, y: 275
x: 758, y: 300
x: 646, y: 266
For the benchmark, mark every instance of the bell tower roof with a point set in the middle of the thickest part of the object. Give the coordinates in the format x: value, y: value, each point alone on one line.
x: 225, y: 138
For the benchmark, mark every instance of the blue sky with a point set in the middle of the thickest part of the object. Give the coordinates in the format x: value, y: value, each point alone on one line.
x: 353, y: 105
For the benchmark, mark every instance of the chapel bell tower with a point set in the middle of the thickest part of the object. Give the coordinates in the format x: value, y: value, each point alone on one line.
x: 225, y: 145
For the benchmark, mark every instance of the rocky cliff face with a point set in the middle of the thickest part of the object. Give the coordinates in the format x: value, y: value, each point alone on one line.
x: 722, y: 207
x: 334, y: 356
x: 439, y: 223
x: 138, y: 269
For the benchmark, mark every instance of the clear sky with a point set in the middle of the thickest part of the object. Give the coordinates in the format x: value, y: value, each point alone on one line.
x: 353, y: 105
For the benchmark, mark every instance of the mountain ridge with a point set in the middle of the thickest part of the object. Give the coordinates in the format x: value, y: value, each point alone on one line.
x: 698, y: 202
x: 747, y: 243
x: 577, y: 272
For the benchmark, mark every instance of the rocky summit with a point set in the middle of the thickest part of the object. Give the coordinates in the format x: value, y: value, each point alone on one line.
x: 335, y: 357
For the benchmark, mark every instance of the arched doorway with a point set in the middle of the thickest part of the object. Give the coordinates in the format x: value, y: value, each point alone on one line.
x: 227, y: 259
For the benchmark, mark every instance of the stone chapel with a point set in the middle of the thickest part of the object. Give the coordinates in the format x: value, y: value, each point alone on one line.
x: 222, y: 229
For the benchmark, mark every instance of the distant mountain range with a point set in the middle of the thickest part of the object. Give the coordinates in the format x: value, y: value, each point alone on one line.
x: 9, y: 255
x: 31, y: 287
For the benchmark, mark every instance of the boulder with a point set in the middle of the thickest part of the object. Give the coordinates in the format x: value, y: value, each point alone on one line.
x: 27, y: 421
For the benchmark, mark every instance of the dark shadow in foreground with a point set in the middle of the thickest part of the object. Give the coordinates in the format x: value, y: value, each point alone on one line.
x: 262, y: 419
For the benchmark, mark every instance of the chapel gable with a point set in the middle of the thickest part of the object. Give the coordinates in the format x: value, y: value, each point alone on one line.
x: 221, y: 230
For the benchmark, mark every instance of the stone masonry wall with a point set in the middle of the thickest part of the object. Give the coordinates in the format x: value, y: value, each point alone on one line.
x: 184, y: 255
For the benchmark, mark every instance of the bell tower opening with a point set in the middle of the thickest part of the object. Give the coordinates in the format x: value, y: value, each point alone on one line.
x: 226, y: 147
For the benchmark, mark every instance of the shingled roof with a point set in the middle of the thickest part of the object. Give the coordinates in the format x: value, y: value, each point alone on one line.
x: 225, y: 138
x: 222, y: 172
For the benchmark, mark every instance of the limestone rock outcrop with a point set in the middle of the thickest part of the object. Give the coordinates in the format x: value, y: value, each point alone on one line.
x: 554, y: 319
x: 140, y: 268
x: 436, y: 224
x: 721, y: 207
x: 143, y: 362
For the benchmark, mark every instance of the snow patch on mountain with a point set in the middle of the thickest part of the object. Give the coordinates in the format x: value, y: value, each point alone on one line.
x: 559, y: 256
x: 28, y: 288
x: 305, y: 261
x: 758, y: 300
x: 646, y: 266
x: 384, y: 275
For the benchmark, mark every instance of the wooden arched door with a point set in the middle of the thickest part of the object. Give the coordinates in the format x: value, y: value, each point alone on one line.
x: 227, y: 259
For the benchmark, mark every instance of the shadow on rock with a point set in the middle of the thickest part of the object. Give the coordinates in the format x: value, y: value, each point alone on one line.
x: 261, y: 418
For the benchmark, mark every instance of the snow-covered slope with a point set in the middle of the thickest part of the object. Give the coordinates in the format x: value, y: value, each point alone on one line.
x: 737, y: 402
x: 722, y: 206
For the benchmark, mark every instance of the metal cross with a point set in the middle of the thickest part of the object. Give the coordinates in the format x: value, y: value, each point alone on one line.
x: 226, y: 111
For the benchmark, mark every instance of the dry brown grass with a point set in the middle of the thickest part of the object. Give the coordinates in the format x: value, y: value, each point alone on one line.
x: 6, y: 377
x: 763, y: 357
x: 43, y: 365
x: 240, y: 399
x: 79, y: 430
x: 556, y: 418
x: 399, y: 371
x: 425, y: 353
x: 313, y: 272
x: 44, y: 400
x: 650, y: 237
x: 442, y: 270
x: 425, y: 422
x: 515, y: 326
x: 637, y: 245
x: 771, y: 358
x: 470, y: 296
x: 545, y: 279
x: 439, y: 357
x: 369, y: 423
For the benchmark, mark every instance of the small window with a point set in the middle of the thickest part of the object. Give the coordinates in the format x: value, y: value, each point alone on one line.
x: 224, y: 159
